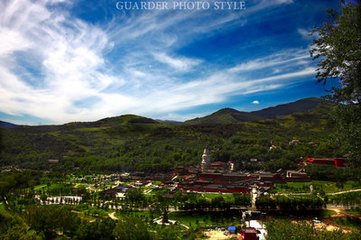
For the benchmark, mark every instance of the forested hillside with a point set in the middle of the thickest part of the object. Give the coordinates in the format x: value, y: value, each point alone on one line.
x: 133, y: 142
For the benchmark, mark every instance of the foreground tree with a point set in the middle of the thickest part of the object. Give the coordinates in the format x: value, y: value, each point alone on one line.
x: 131, y: 229
x: 101, y: 229
x: 285, y: 230
x: 338, y: 48
x: 51, y: 220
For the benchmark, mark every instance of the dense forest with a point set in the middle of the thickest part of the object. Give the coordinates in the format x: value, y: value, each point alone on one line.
x: 278, y: 137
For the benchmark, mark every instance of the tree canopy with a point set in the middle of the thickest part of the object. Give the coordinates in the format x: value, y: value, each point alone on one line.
x: 338, y: 47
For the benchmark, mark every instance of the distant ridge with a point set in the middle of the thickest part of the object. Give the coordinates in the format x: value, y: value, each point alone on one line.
x: 128, y: 118
x: 230, y: 116
x: 222, y: 116
x: 226, y: 116
x: 7, y: 125
x: 301, y: 105
x: 135, y: 143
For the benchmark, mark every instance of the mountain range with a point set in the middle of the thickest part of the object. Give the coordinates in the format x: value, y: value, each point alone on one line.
x: 130, y: 142
x: 230, y: 115
x: 222, y: 116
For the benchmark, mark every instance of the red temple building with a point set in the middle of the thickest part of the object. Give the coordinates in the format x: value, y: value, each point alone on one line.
x: 337, y: 162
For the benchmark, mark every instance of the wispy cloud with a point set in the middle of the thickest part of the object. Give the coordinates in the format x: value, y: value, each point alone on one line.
x: 307, y: 34
x: 60, y: 68
x: 180, y: 64
x: 285, y: 59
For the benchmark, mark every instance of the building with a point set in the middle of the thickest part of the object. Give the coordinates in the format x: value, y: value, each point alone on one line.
x: 207, y: 166
x: 219, y: 177
x: 53, y: 161
x: 117, y: 192
x: 297, y: 176
x: 249, y: 234
x: 260, y: 228
x: 221, y: 166
x: 337, y: 162
x: 294, y: 142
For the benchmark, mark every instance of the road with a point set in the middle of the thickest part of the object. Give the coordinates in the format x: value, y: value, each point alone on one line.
x: 112, y: 216
x: 348, y: 191
x: 335, y: 193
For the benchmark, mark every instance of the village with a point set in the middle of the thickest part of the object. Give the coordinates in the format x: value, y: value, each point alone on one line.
x: 206, y: 189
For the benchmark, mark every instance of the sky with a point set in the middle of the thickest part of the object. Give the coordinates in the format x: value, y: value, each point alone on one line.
x: 79, y: 60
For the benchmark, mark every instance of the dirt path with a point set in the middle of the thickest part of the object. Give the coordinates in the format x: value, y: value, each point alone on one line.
x: 348, y: 191
x: 334, y: 193
x: 215, y: 235
x: 112, y: 216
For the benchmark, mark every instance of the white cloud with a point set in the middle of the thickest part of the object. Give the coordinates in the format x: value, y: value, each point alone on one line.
x: 182, y: 117
x: 306, y: 34
x: 12, y: 41
x: 255, y: 102
x: 283, y: 1
x: 70, y: 57
x: 72, y: 64
x: 179, y: 64
x: 283, y: 59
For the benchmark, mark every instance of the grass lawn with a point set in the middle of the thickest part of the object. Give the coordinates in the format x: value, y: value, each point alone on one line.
x: 56, y: 185
x: 87, y: 211
x: 156, y: 182
x: 304, y: 187
x: 356, y: 211
x: 327, y: 213
x: 141, y: 214
x: 36, y: 188
x: 4, y: 212
x: 228, y: 197
x: 195, y: 220
x: 352, y: 222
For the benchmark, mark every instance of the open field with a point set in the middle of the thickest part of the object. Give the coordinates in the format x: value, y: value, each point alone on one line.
x: 304, y: 187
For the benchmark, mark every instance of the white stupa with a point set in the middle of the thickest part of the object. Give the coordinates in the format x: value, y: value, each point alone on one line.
x: 205, y: 160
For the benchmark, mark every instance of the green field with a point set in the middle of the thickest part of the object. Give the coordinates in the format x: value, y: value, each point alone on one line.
x: 211, y: 219
x: 304, y: 187
x: 227, y: 197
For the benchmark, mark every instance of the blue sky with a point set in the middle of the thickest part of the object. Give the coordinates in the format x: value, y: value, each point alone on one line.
x: 63, y: 60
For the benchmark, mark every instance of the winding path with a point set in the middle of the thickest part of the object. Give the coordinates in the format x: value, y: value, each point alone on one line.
x: 348, y: 191
x: 112, y: 216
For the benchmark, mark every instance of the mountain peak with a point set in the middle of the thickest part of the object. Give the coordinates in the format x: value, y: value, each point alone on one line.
x: 7, y: 125
x: 222, y: 116
x: 227, y: 110
x: 301, y: 105
x: 225, y: 116
x: 231, y: 116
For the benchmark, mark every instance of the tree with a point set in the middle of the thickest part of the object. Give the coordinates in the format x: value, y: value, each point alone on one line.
x: 241, y: 199
x: 131, y: 229
x: 20, y: 231
x: 162, y: 202
x: 284, y: 230
x: 135, y: 196
x: 51, y: 219
x: 339, y: 49
x: 101, y: 229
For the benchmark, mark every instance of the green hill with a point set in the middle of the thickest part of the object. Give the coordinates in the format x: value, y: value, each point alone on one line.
x: 7, y: 125
x: 131, y: 142
x: 226, y: 116
x: 302, y: 105
x: 231, y: 116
